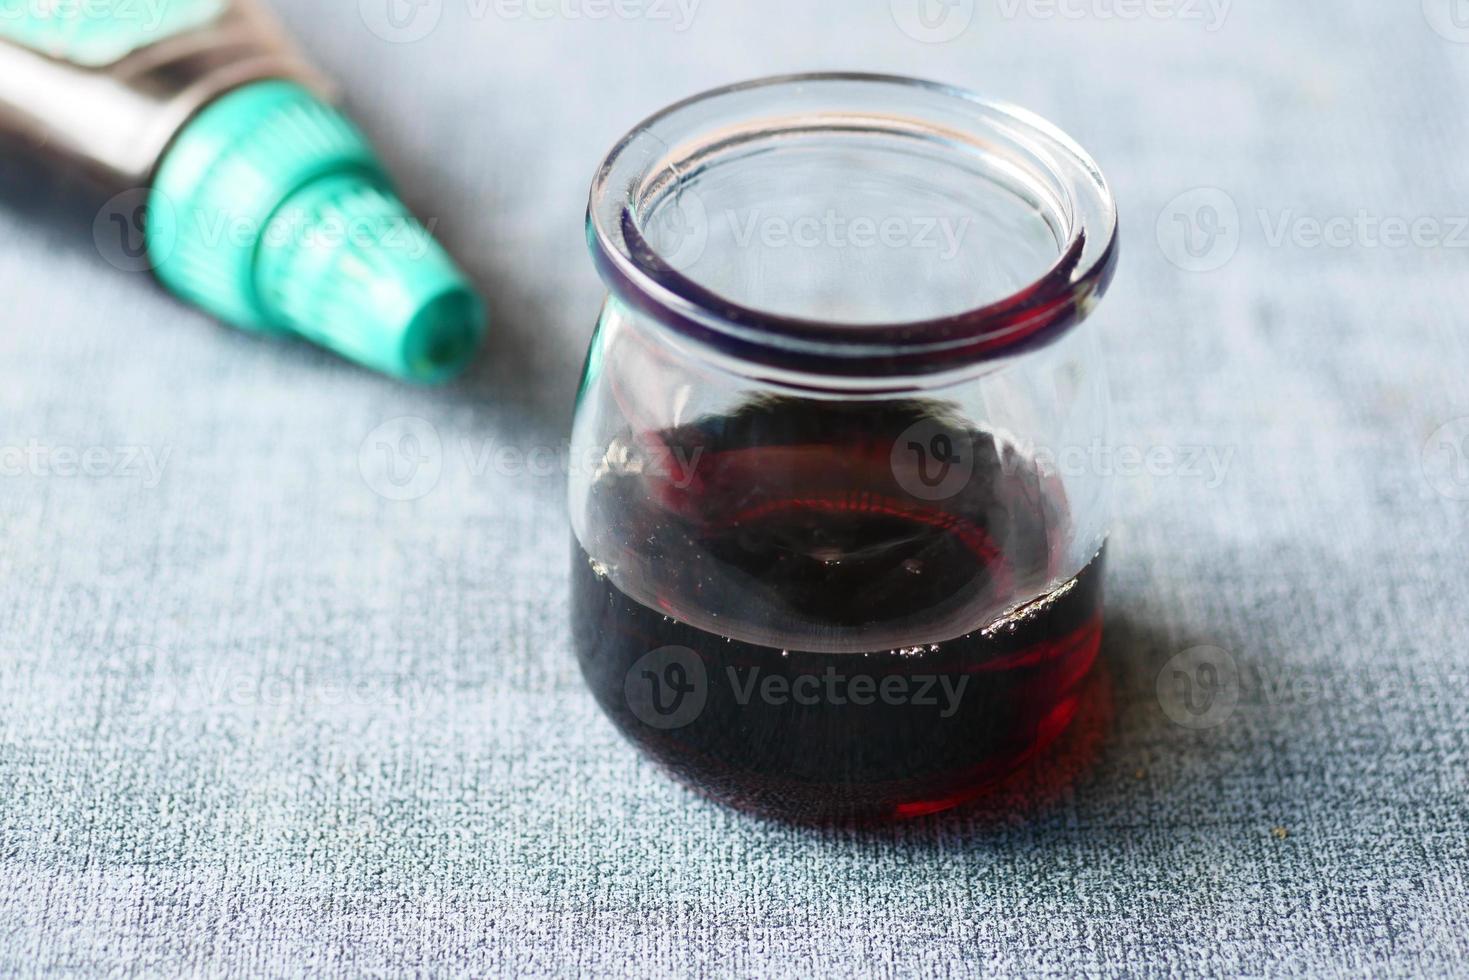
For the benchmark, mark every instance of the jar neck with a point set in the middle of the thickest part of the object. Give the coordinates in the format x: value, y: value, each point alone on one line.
x: 687, y: 356
x: 728, y: 147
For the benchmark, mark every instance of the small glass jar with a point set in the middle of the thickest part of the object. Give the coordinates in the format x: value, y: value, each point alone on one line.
x: 838, y: 542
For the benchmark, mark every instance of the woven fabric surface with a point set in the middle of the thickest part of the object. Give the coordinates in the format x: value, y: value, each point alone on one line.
x: 258, y: 716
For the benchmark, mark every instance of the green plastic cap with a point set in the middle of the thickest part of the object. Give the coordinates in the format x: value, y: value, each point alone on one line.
x: 272, y: 212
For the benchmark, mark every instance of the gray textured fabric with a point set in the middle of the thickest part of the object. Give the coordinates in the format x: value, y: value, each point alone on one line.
x: 255, y: 716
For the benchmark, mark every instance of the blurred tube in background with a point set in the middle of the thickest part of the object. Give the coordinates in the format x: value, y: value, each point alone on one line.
x: 226, y: 169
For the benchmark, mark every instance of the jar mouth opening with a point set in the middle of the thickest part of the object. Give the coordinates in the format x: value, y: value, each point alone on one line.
x: 1038, y: 221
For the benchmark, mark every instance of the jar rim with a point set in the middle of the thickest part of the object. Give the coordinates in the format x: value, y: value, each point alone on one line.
x: 1030, y: 317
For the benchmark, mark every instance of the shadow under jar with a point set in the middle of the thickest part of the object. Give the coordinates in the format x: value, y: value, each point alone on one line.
x: 839, y: 531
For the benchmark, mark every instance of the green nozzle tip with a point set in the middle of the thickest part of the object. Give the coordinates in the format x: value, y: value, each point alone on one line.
x: 273, y: 213
x: 343, y: 263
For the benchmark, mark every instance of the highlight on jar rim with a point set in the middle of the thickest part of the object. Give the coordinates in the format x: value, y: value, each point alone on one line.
x: 653, y: 218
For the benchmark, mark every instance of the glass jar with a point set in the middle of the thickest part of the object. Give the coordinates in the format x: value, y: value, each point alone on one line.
x: 838, y: 539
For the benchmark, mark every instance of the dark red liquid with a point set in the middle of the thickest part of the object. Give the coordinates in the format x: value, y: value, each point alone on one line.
x: 826, y: 611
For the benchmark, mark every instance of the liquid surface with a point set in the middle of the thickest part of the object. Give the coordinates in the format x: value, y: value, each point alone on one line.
x: 819, y: 612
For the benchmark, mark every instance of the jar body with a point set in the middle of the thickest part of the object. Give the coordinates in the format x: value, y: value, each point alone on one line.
x: 839, y: 495
x: 819, y: 605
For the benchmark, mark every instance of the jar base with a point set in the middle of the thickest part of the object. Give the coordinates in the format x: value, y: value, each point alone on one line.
x: 743, y: 743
